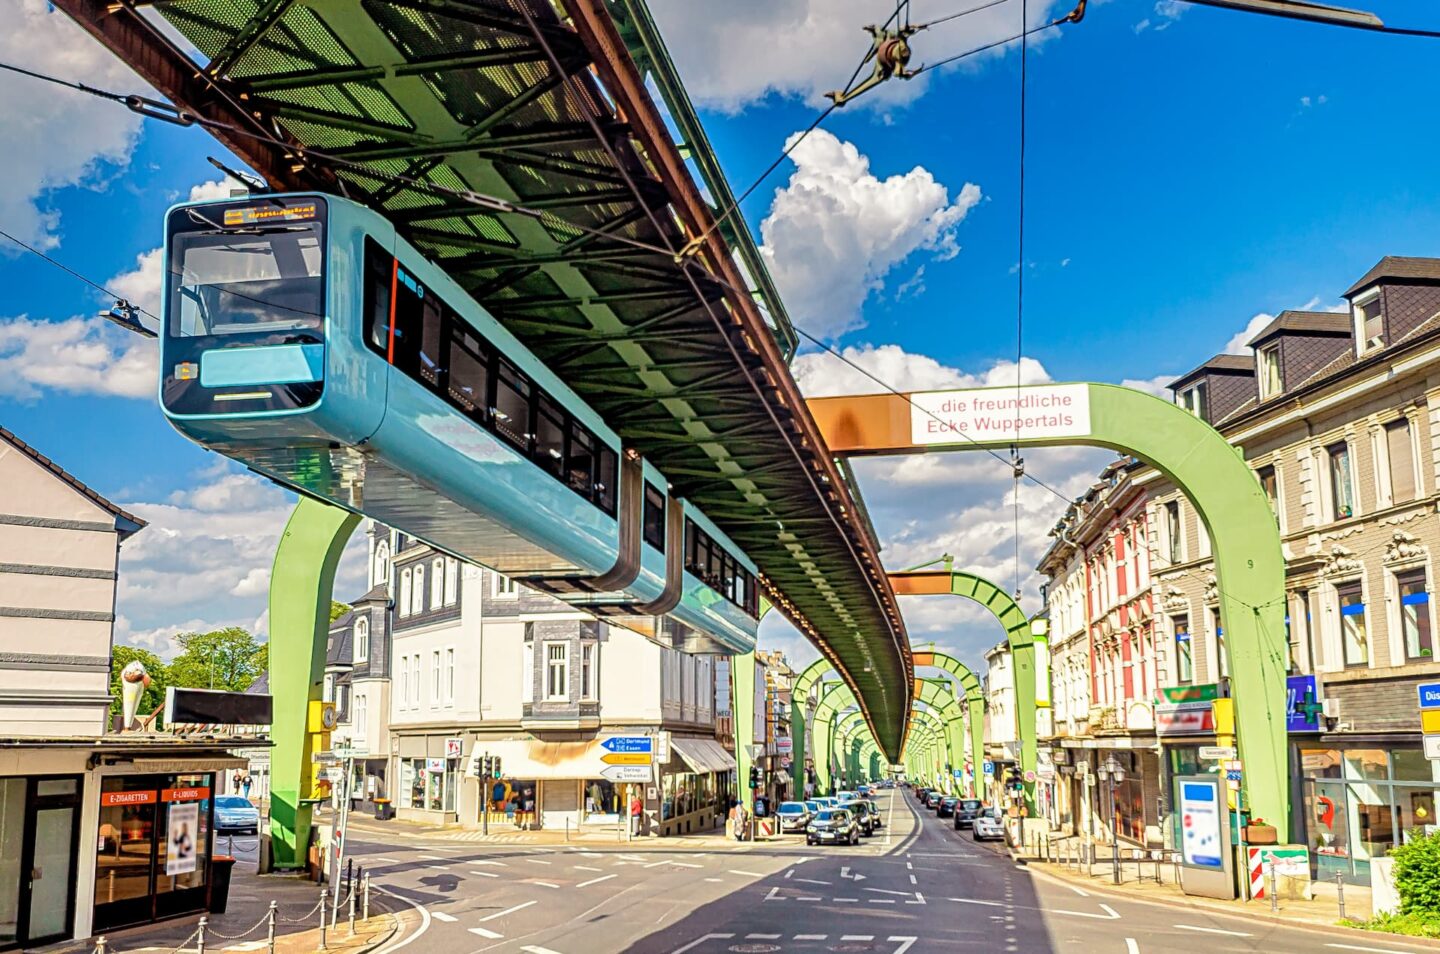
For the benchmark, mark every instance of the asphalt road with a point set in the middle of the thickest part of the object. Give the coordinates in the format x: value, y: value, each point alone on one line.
x: 916, y: 886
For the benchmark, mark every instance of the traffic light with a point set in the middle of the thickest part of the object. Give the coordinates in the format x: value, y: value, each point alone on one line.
x: 754, y: 776
x: 495, y: 767
x: 482, y: 767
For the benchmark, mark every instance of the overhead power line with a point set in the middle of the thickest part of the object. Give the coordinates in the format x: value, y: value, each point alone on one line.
x: 123, y: 313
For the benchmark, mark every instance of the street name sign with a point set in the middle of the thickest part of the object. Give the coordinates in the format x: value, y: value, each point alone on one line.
x: 629, y: 743
x: 1432, y: 747
x: 626, y: 758
x: 626, y: 773
x: 1429, y: 693
x: 1217, y: 753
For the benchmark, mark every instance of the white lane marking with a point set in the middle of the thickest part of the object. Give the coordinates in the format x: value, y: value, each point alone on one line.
x: 486, y: 932
x: 904, y: 946
x: 591, y: 854
x: 485, y: 874
x: 813, y: 881
x: 442, y: 916
x: 857, y: 937
x: 433, y: 858
x: 497, y: 864
x: 912, y: 880
x: 847, y: 900
x: 585, y: 868
x: 1373, y: 950
x: 903, y: 894
x: 716, y: 880
x: 1112, y: 915
x: 762, y: 937
x: 500, y: 914
x: 811, y: 937
x: 438, y: 867
x: 537, y: 950
x: 701, y: 940
x: 537, y: 861
x: 772, y: 895
x: 384, y: 861
x: 1079, y: 890
x: 655, y: 864
x: 988, y: 904
x: 789, y: 873
x: 746, y: 874
x: 586, y: 884
x: 424, y: 919
x: 882, y: 900
x: 810, y: 899
x: 1131, y: 947
x: 684, y: 864
x: 1210, y: 930
x: 919, y: 899
x: 545, y: 884
x: 632, y: 857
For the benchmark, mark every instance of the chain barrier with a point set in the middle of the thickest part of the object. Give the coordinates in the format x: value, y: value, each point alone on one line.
x: 264, y: 920
x: 304, y: 917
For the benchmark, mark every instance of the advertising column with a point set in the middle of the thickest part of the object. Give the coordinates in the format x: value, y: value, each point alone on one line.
x: 1204, y: 838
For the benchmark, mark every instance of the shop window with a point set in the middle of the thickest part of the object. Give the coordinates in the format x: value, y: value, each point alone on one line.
x: 153, y: 847
x: 1355, y: 641
x: 429, y: 783
x: 1415, y: 615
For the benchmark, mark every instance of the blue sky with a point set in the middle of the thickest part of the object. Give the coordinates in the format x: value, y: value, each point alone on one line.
x: 1188, y: 169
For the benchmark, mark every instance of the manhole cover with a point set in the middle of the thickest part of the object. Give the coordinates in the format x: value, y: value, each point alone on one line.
x: 755, y: 948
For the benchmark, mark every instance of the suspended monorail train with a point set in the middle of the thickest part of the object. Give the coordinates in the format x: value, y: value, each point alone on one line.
x: 307, y: 340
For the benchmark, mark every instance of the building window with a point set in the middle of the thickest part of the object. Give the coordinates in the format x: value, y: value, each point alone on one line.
x: 1355, y: 642
x: 452, y: 581
x: 504, y: 587
x: 1342, y: 488
x: 434, y: 678
x: 1270, y: 483
x: 1269, y: 371
x: 417, y: 592
x: 429, y: 784
x: 1184, y: 651
x: 1172, y: 531
x: 362, y: 639
x: 588, y: 660
x: 1402, y: 461
x: 437, y: 583
x: 1370, y: 321
x: 527, y: 673
x: 327, y: 693
x: 557, y: 672
x: 1196, y: 400
x: 1220, y: 649
x: 362, y: 710
x: 1415, y: 615
x: 382, y: 564
x: 450, y: 677
x: 402, y: 606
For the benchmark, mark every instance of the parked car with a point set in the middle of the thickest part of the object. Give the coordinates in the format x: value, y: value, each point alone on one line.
x: 946, y: 808
x: 828, y: 801
x: 794, y: 816
x: 987, y: 826
x: 846, y: 796
x: 933, y: 799
x: 863, y: 791
x: 833, y: 825
x: 966, y: 810
x: 234, y: 813
x: 920, y: 794
x: 813, y: 806
x: 877, y: 820
x: 863, y: 818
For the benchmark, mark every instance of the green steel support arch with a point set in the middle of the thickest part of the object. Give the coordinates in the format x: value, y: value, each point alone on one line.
x: 1245, y: 539
x: 824, y: 720
x: 800, y: 722
x: 940, y: 694
x: 975, y: 704
x: 301, y: 583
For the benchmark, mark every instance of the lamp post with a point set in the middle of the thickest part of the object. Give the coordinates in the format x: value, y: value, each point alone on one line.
x: 1112, y: 773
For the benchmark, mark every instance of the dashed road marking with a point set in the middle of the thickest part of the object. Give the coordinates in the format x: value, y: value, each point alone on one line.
x: 811, y: 937
x: 438, y: 867
x: 586, y: 884
x: 762, y: 937
x: 500, y: 914
x: 442, y: 916
x: 774, y: 895
x: 497, y: 864
x: 537, y: 950
x: 1079, y: 890
x: 857, y: 937
x: 537, y: 861
x: 746, y: 874
x: 546, y: 884
x: 1209, y: 930
x: 486, y: 932
x: 698, y: 941
x: 1373, y: 950
x: 585, y: 868
x: 1131, y: 947
x: 485, y: 874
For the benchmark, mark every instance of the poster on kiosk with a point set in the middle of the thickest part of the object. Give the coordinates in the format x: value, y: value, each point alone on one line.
x: 1205, y: 855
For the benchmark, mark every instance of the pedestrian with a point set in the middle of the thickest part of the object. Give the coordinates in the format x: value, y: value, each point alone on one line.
x: 637, y: 811
x: 235, y: 783
x: 245, y: 785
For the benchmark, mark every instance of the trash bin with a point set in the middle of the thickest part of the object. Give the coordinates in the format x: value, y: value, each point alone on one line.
x: 220, y: 867
x: 384, y: 810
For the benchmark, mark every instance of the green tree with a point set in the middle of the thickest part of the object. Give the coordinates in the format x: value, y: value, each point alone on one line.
x: 153, y: 697
x: 337, y: 610
x: 228, y: 658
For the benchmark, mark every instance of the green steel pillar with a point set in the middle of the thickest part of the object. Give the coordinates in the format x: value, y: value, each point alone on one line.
x: 301, y: 584
x: 742, y: 677
x: 800, y: 719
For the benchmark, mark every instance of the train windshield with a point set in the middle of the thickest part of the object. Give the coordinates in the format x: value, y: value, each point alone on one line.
x: 259, y: 280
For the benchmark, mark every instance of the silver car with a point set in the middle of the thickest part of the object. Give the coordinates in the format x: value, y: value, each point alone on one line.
x: 987, y: 826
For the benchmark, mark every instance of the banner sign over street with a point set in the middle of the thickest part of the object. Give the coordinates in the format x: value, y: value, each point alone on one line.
x: 984, y: 414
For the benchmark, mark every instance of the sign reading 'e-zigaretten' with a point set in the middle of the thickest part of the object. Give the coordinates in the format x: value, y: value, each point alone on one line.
x: 987, y: 415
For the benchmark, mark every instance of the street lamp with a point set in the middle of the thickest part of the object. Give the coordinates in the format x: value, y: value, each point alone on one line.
x: 1112, y: 773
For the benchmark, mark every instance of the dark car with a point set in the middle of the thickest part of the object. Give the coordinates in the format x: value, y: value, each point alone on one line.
x: 966, y: 810
x: 876, y: 819
x: 833, y: 825
x: 860, y: 809
x: 794, y: 816
x: 946, y: 807
x: 933, y: 799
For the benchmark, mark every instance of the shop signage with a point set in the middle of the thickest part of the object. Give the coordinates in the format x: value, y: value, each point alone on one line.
x: 1302, y: 708
x: 1031, y: 413
x: 629, y: 743
x: 1216, y: 753
x: 1204, y: 692
x: 454, y: 748
x: 784, y: 745
x: 626, y: 758
x: 1185, y: 718
x: 1200, y: 824
x: 1429, y: 693
x: 184, y: 794
x: 127, y: 798
x: 1432, y: 747
x: 626, y: 773
x: 437, y: 766
x: 184, y: 828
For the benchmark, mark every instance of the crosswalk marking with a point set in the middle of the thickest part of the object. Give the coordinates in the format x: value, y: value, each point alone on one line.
x: 586, y: 884
x: 537, y: 950
x: 442, y: 916
x: 485, y: 874
x: 485, y: 932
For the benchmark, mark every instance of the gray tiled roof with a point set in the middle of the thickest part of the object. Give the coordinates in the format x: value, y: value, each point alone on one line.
x: 1221, y: 362
x: 74, y: 482
x: 1397, y: 266
x: 1304, y: 322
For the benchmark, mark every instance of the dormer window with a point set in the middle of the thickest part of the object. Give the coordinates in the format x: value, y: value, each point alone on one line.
x: 1195, y: 399
x: 1369, y: 321
x: 1269, y: 371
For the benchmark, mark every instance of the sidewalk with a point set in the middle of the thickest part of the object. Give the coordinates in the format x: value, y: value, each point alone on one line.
x: 507, y: 835
x: 244, y: 925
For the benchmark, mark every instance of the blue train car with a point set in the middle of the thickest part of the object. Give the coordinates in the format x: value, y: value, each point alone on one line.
x: 305, y: 339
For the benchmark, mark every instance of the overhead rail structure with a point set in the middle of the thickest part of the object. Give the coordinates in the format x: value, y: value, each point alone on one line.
x: 514, y: 142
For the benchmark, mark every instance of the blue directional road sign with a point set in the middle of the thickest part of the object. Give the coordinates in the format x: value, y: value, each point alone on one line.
x: 629, y: 743
x: 1429, y: 695
x: 988, y: 767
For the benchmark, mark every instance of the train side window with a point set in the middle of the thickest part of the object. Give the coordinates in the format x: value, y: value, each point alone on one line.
x: 409, y: 322
x: 550, y: 436
x: 580, y: 461
x: 654, y: 517
x: 714, y: 572
x: 379, y: 266
x: 512, y: 405
x: 469, y: 377
x: 606, y: 478
x: 431, y: 363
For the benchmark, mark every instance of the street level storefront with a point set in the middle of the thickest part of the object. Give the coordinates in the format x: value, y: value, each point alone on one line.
x: 695, y: 786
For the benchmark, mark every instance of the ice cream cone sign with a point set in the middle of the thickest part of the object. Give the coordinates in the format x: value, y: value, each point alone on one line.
x: 134, y: 680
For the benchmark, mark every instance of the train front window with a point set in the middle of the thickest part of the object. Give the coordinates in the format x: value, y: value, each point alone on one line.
x: 265, y: 281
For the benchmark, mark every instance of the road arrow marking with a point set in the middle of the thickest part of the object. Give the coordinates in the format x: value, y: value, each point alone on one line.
x: 845, y: 873
x: 905, y: 943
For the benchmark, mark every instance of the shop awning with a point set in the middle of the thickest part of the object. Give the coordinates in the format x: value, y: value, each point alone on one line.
x: 703, y: 755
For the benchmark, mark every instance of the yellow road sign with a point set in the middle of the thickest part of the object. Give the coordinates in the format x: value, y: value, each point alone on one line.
x: 1430, y: 721
x: 626, y: 758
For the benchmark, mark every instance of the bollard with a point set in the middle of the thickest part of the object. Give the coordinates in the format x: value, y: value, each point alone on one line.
x: 365, y: 897
x: 200, y: 935
x: 352, y: 912
x: 324, y: 893
x: 270, y: 927
x: 1274, y: 889
x: 1340, y: 893
x: 101, y: 947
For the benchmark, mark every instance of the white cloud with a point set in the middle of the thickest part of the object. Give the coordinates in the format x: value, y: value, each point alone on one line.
x: 255, y: 583
x: 57, y: 138
x: 214, y: 189
x: 76, y: 356
x: 821, y: 374
x: 1307, y: 101
x: 804, y: 48
x: 1158, y: 385
x: 835, y: 230
x: 1166, y: 13
x: 1238, y: 343
x: 141, y: 285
